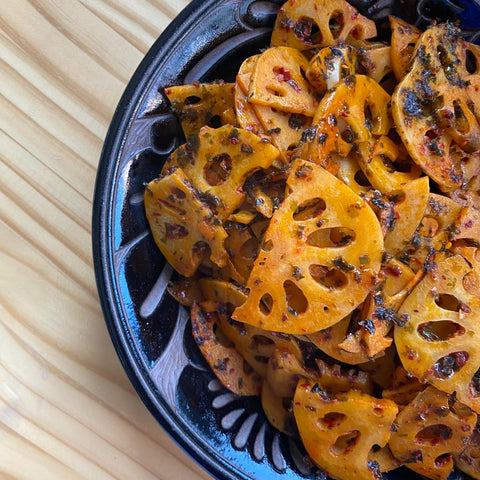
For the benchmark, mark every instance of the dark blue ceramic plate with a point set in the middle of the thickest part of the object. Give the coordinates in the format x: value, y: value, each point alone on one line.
x: 228, y: 435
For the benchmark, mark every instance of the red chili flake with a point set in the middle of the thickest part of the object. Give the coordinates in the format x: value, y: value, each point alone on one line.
x: 411, y: 354
x: 196, y: 83
x: 282, y: 75
x: 393, y: 270
x: 234, y: 140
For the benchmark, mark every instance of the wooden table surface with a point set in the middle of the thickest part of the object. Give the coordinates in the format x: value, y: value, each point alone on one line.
x: 67, y: 409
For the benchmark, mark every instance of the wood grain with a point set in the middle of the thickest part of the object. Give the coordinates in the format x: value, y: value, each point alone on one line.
x: 67, y: 409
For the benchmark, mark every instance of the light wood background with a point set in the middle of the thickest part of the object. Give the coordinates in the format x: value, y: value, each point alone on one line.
x: 67, y: 409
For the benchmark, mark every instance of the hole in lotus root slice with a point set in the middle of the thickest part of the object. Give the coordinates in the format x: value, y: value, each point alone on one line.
x: 331, y: 278
x: 449, y: 302
x: 266, y: 303
x: 440, y: 330
x: 332, y: 419
x: 434, y: 434
x: 472, y: 65
x: 450, y: 364
x: 345, y: 443
x: 336, y: 237
x: 475, y: 384
x: 296, y: 300
x: 309, y: 209
x: 218, y: 169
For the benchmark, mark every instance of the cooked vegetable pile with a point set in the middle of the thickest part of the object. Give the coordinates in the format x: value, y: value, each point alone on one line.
x: 323, y: 217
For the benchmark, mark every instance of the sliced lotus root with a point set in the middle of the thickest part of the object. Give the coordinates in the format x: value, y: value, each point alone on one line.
x: 339, y: 430
x: 334, y: 379
x: 469, y: 196
x: 312, y: 24
x: 381, y: 369
x: 349, y: 172
x: 471, y: 281
x: 400, y: 280
x: 434, y: 112
x: 278, y: 410
x: 375, y: 61
x: 468, y: 460
x: 330, y: 65
x: 245, y: 113
x: 186, y: 290
x: 383, y: 166
x: 404, y: 387
x: 278, y: 81
x: 369, y: 331
x: 428, y: 430
x: 284, y: 128
x: 319, y: 259
x: 410, y: 202
x: 182, y: 225
x: 330, y: 339
x: 284, y: 369
x: 467, y: 225
x: 226, y: 363
x: 221, y: 162
x: 402, y: 46
x: 200, y: 104
x: 354, y: 111
x: 433, y: 233
x: 440, y: 342
x: 257, y: 346
x: 242, y: 248
x: 397, y: 277
x: 221, y: 292
x: 384, y: 458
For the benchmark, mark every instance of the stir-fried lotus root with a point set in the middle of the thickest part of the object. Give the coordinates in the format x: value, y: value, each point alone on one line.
x: 278, y: 82
x: 320, y: 256
x: 200, y: 104
x: 429, y: 430
x: 435, y: 108
x: 283, y: 127
x: 229, y: 366
x: 468, y: 460
x: 339, y: 430
x: 319, y: 23
x: 183, y: 226
x: 354, y: 111
x: 439, y: 342
x: 404, y: 38
x: 325, y: 225
x: 219, y: 163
